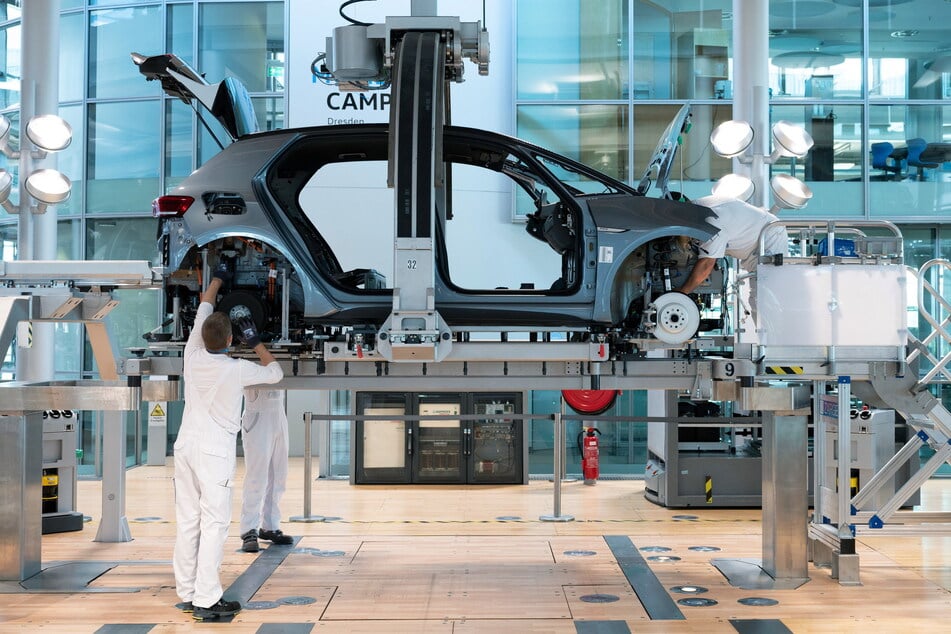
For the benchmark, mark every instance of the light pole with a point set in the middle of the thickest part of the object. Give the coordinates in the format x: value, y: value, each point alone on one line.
x: 39, y: 184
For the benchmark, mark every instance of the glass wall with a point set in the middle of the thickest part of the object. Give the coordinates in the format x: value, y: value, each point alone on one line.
x: 590, y: 99
x: 131, y: 143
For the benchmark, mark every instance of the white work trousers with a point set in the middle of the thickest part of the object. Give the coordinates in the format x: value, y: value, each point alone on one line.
x: 264, y: 437
x: 204, y: 471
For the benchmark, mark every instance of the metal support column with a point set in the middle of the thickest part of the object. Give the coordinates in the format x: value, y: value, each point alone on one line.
x: 845, y: 563
x: 113, y: 527
x: 21, y: 505
x: 785, y: 497
x: 820, y: 553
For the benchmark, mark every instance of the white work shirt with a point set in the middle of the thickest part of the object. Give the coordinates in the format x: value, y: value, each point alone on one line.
x: 213, y: 382
x: 739, y: 225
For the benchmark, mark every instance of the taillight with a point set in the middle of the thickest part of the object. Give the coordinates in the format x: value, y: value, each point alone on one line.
x: 171, y: 206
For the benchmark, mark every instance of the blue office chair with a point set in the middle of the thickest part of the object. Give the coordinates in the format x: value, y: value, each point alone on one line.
x: 915, y: 148
x: 882, y: 159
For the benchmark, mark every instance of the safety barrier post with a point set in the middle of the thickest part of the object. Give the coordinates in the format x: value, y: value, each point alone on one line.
x: 308, y: 475
x: 557, y: 466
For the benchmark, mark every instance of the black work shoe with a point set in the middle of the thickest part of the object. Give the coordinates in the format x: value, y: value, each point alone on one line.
x: 276, y: 537
x: 218, y: 610
x: 185, y: 607
x: 250, y: 542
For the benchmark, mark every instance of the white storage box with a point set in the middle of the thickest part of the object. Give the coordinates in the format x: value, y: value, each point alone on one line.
x: 831, y: 305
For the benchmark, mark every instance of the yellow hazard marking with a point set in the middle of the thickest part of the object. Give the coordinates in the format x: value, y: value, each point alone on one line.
x: 157, y: 411
x: 784, y: 369
x: 708, y: 488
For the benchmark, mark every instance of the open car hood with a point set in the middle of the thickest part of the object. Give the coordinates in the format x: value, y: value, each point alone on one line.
x: 228, y: 100
x: 662, y: 159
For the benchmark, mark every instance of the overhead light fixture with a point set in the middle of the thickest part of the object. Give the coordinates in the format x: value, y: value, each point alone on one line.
x: 734, y: 139
x: 731, y: 138
x: 48, y: 186
x: 49, y: 133
x: 789, y: 192
x: 46, y: 133
x: 790, y: 140
x: 734, y: 186
x: 806, y: 59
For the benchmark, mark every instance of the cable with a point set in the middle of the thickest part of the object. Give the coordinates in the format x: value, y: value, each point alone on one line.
x: 685, y: 172
x: 348, y: 18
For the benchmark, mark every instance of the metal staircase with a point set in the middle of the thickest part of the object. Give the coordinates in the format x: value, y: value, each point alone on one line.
x: 909, y: 394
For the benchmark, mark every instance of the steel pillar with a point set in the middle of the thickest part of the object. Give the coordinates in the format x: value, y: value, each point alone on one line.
x: 113, y: 526
x: 21, y: 493
x: 785, y: 497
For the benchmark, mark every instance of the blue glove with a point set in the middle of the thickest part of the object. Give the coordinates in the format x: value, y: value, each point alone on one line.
x: 223, y: 272
x: 248, y: 332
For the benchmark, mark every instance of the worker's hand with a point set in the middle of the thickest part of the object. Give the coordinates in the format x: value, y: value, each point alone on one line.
x: 249, y: 333
x: 223, y: 272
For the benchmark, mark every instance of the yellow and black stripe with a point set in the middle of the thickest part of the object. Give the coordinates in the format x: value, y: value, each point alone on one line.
x: 708, y: 488
x: 785, y: 369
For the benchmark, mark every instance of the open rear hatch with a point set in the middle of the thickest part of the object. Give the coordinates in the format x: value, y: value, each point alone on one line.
x: 228, y: 100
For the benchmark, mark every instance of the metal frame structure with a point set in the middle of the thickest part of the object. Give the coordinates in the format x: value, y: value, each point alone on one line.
x: 711, y: 369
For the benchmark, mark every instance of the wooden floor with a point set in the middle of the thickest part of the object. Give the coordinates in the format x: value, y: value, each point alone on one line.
x: 460, y: 560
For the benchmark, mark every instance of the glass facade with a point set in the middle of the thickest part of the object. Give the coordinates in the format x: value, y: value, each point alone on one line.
x: 131, y: 143
x: 855, y: 74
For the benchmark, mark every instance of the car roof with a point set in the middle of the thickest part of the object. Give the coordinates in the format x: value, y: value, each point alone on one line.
x: 230, y: 103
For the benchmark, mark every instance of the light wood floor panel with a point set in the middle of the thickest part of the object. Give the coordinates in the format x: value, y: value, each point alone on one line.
x: 441, y: 560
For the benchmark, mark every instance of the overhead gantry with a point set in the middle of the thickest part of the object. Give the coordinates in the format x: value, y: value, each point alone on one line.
x: 421, y: 56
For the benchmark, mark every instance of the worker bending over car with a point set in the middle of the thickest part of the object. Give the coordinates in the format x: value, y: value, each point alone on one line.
x: 740, y: 225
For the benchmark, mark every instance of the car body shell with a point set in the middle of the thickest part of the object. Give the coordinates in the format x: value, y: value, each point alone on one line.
x: 266, y: 171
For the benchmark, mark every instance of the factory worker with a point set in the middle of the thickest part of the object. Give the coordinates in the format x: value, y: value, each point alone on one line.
x: 205, y: 450
x: 264, y: 437
x: 739, y: 225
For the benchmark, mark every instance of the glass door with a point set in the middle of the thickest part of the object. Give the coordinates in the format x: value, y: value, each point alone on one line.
x: 384, y: 446
x: 494, y: 444
x: 439, y: 441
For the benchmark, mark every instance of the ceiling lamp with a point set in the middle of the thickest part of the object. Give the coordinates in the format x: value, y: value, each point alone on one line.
x: 806, y: 59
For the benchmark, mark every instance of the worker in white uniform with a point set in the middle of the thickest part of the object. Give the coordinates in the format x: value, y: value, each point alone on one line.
x: 205, y: 451
x: 264, y: 437
x: 740, y: 225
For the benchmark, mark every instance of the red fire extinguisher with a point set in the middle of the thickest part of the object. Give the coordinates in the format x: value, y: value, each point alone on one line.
x: 589, y: 455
